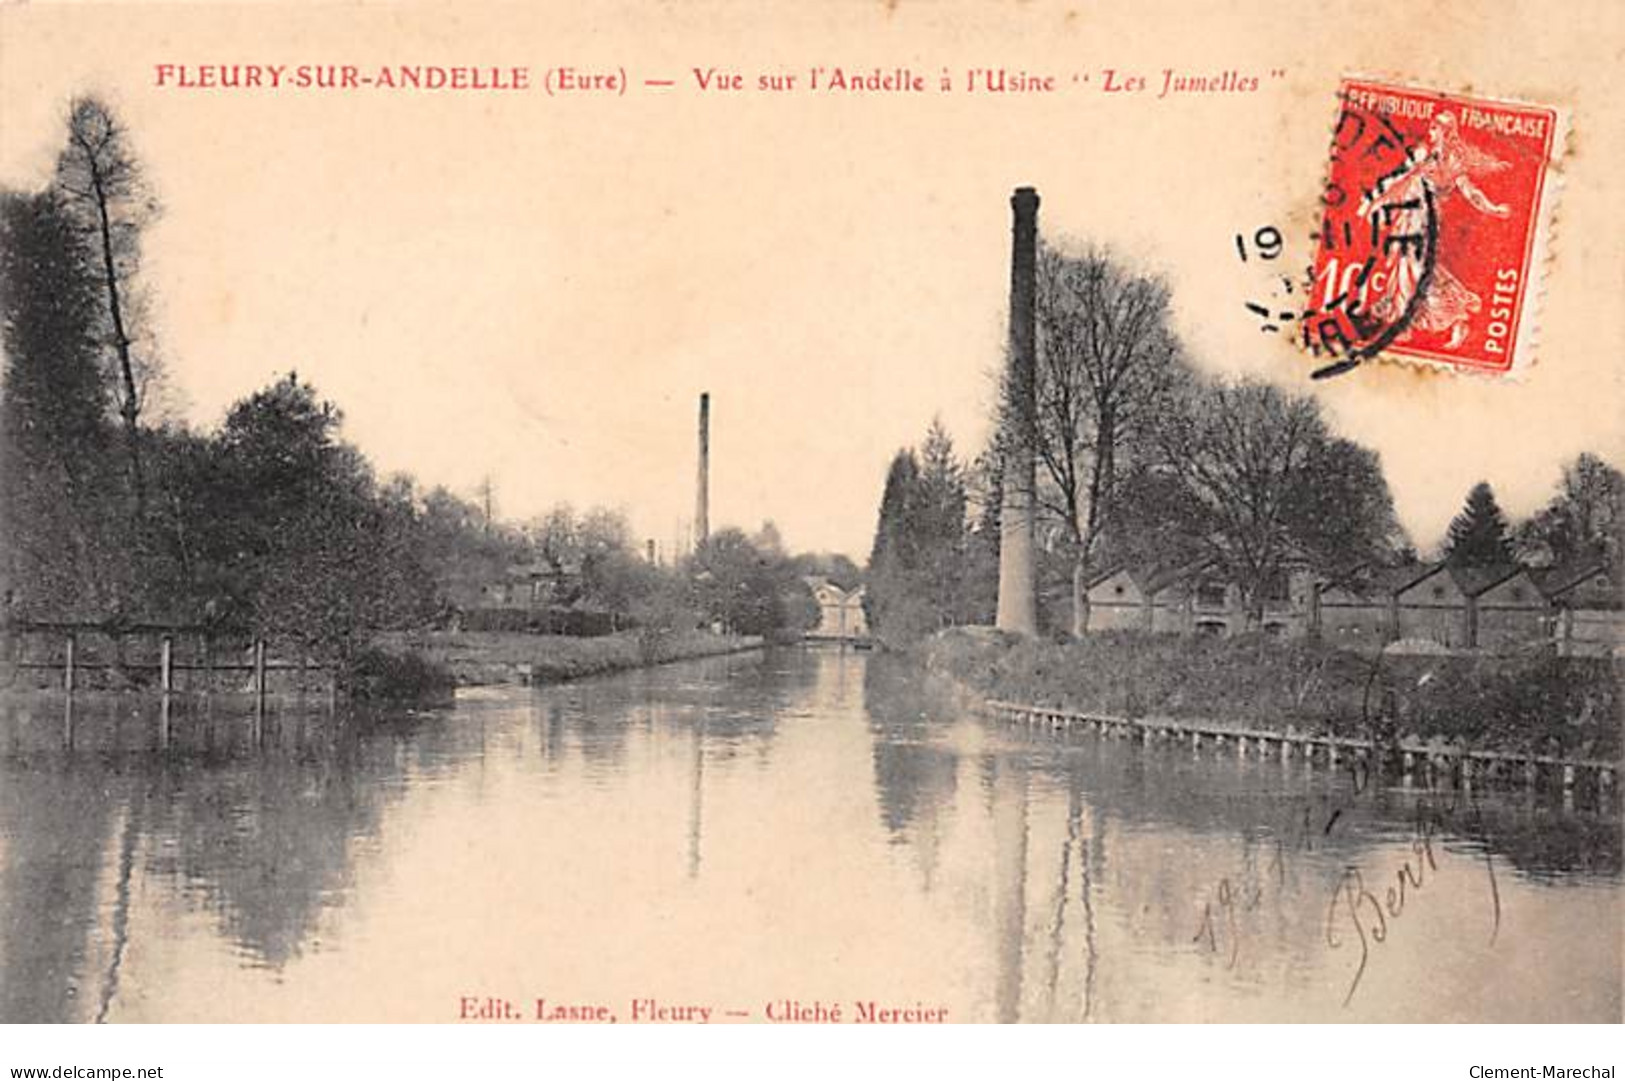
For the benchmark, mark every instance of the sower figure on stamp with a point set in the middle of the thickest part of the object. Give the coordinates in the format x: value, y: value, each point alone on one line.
x: 1446, y: 168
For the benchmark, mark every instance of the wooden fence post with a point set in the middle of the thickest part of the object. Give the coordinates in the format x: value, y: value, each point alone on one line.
x: 259, y: 669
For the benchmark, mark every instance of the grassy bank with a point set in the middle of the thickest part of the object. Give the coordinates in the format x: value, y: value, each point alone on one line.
x: 477, y: 658
x: 1546, y: 705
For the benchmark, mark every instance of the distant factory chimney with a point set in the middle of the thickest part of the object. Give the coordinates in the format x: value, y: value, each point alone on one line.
x: 702, y: 497
x: 649, y: 549
x: 1018, y: 605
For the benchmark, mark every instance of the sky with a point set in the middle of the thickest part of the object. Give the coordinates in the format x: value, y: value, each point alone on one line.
x: 536, y: 288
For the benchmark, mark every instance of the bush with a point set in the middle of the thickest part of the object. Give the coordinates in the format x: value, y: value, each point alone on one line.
x: 380, y: 675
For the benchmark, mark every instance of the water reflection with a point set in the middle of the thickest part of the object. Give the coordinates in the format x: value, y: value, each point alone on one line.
x: 251, y: 820
x: 817, y: 825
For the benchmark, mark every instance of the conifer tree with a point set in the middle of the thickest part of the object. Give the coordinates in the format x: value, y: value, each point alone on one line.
x: 1478, y: 535
x: 891, y: 559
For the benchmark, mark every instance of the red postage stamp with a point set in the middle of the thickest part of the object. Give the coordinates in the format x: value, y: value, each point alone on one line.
x: 1432, y: 230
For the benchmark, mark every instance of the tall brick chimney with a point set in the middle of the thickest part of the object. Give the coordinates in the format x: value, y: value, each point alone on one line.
x: 1018, y: 605
x: 702, y: 496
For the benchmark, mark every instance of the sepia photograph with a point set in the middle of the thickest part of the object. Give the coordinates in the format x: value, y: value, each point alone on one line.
x: 861, y: 514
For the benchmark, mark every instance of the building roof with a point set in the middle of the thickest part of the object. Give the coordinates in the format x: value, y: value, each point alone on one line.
x: 1474, y: 581
x: 1150, y: 581
x: 816, y: 582
x: 1471, y: 580
x: 1398, y: 579
x: 1571, y: 586
x: 541, y: 568
x: 1555, y: 581
x: 1372, y: 580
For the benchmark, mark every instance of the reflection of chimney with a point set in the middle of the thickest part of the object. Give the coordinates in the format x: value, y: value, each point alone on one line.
x: 696, y: 798
x: 702, y: 498
x: 1018, y: 608
x: 1009, y: 886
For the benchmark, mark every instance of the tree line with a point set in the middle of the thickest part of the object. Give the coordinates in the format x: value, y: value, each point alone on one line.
x: 271, y: 524
x: 1145, y: 462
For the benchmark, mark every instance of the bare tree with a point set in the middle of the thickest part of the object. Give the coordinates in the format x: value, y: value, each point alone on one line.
x: 1262, y: 483
x: 1106, y: 361
x: 1585, y: 519
x: 103, y: 183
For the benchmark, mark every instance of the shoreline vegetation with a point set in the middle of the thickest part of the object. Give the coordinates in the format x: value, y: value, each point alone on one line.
x: 1566, y: 707
x: 141, y: 550
x: 430, y: 661
x: 414, y: 667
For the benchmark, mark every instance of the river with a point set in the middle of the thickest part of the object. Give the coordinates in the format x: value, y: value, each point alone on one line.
x: 762, y: 836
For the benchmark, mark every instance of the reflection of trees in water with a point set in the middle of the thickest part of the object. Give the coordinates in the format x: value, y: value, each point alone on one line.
x: 1111, y: 848
x: 267, y: 834
x: 259, y: 822
x: 739, y: 698
x: 1170, y: 786
x: 1165, y: 836
x: 263, y: 843
x: 261, y: 826
x: 724, y: 704
x: 743, y: 712
x: 57, y: 830
x: 915, y: 774
x: 1534, y: 840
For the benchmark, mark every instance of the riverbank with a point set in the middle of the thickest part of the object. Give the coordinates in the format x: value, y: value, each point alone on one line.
x: 1565, y: 707
x: 487, y: 658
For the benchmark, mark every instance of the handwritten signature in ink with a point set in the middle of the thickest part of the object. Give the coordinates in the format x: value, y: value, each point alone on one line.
x: 1356, y: 913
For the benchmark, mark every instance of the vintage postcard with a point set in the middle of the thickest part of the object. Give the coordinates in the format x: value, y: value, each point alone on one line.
x: 855, y: 513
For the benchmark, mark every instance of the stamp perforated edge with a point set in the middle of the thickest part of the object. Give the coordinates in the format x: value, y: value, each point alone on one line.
x: 1545, y: 220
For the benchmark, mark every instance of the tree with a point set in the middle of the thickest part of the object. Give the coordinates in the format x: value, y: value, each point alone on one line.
x: 1478, y: 535
x: 918, y: 562
x: 596, y: 547
x: 1342, y: 513
x: 1260, y: 483
x: 979, y: 579
x: 102, y: 183
x: 768, y: 538
x: 300, y: 542
x: 892, y: 557
x: 555, y: 535
x: 1159, y: 522
x: 747, y: 590
x: 613, y: 575
x: 661, y: 612
x: 61, y: 554
x: 1107, y: 361
x: 939, y: 525
x: 836, y: 567
x: 1584, y: 520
